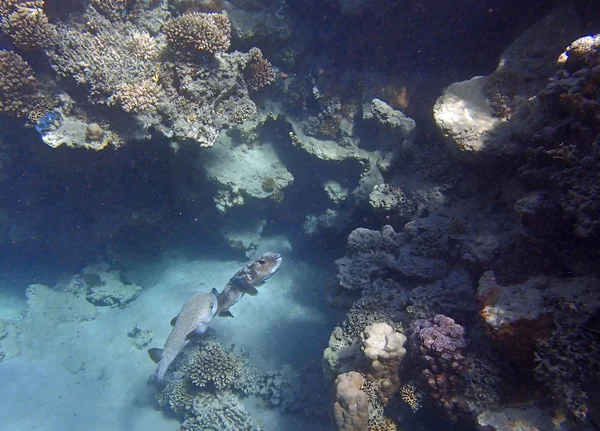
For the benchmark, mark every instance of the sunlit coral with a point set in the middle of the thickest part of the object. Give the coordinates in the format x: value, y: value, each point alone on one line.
x: 26, y: 24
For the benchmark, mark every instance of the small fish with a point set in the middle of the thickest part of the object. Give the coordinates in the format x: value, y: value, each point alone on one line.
x: 191, y: 322
x: 253, y: 274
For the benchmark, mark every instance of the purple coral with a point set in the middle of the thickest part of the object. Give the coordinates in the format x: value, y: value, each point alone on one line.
x: 438, y: 346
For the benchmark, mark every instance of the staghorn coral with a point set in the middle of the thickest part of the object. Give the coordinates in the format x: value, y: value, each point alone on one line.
x: 199, y: 33
x: 214, y: 365
x: 26, y: 24
x: 139, y: 97
x: 258, y: 72
x: 383, y: 349
x: 17, y: 84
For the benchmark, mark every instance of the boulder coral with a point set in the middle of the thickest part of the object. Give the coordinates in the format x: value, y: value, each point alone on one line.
x: 351, y: 405
x: 383, y: 349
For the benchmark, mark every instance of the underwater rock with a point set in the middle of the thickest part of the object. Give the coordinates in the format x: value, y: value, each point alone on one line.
x: 244, y: 170
x: 475, y: 115
x: 104, y: 287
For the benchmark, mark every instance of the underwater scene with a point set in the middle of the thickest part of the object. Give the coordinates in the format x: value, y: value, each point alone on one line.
x: 299, y: 215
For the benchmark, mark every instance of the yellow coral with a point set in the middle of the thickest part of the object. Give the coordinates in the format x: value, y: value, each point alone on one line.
x: 411, y: 395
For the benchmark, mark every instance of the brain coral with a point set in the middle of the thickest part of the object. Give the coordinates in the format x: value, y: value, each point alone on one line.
x: 17, y: 84
x: 199, y: 32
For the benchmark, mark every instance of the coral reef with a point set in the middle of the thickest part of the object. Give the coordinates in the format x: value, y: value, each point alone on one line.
x: 17, y: 84
x: 198, y: 33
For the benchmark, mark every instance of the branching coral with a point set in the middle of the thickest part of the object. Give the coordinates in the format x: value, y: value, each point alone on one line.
x: 113, y: 9
x: 258, y: 73
x: 143, y: 46
x: 100, y: 60
x: 26, y: 24
x: 17, y: 84
x: 212, y: 364
x: 411, y: 395
x: 139, y: 97
x: 199, y: 33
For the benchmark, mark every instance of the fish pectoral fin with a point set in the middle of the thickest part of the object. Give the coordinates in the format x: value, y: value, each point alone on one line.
x: 225, y: 313
x: 174, y: 320
x: 197, y: 333
x: 155, y: 354
x: 245, y: 286
x: 215, y: 292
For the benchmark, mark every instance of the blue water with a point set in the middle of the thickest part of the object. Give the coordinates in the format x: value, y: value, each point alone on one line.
x: 81, y: 228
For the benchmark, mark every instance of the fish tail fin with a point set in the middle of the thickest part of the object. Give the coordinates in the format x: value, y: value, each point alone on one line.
x: 225, y: 313
x: 155, y: 354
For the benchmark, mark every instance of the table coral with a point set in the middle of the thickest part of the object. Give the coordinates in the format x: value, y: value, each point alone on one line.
x: 17, y: 84
x: 199, y: 33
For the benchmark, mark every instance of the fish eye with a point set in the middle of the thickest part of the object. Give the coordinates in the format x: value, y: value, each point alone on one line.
x: 262, y: 261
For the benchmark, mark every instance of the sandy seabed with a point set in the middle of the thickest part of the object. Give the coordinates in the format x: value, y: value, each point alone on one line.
x: 90, y: 375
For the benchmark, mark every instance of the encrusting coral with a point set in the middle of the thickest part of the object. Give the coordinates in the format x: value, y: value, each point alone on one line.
x: 17, y: 84
x: 199, y: 33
